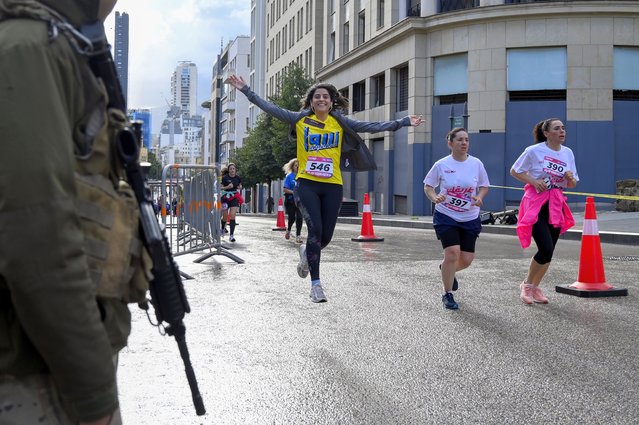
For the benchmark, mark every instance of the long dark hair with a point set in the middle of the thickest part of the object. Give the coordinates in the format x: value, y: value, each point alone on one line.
x: 540, y: 127
x: 337, y: 99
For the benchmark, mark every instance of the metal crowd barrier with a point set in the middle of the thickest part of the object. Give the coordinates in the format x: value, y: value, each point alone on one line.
x: 190, y: 207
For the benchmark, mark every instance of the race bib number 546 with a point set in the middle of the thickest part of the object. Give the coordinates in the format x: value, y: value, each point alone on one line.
x: 319, y: 167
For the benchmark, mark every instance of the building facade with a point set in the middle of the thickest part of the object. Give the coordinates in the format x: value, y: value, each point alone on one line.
x: 496, y: 67
x: 499, y: 66
x: 121, y: 50
x: 293, y: 34
x: 229, y: 108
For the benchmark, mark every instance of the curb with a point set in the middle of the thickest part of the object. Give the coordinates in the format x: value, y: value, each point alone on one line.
x: 620, y: 238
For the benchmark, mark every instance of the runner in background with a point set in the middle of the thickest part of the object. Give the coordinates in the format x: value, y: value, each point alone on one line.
x: 463, y: 184
x: 231, y: 196
x: 294, y: 214
x: 546, y: 169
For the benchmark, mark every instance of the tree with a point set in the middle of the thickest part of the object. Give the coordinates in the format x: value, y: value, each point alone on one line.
x: 267, y: 147
x: 155, y: 172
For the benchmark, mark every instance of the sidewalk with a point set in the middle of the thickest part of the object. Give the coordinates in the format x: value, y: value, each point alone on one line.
x: 614, y: 227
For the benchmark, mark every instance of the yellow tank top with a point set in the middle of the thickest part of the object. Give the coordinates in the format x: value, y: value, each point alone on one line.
x: 319, y: 149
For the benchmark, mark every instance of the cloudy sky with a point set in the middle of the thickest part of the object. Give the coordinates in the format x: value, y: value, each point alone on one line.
x: 165, y: 32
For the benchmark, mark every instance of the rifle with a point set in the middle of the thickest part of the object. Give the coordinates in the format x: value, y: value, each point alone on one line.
x: 167, y: 291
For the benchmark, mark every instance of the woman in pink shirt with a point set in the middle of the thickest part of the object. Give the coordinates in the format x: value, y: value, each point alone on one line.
x: 547, y: 167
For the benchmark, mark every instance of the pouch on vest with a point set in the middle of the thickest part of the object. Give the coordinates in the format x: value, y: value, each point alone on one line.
x: 118, y: 262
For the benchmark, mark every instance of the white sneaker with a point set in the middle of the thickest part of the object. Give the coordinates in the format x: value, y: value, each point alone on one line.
x: 231, y: 238
x: 302, y: 266
x: 317, y: 294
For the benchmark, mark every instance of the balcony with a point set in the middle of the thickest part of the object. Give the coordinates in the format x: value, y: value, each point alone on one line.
x: 452, y: 5
x: 228, y: 106
x: 227, y: 73
x: 228, y: 137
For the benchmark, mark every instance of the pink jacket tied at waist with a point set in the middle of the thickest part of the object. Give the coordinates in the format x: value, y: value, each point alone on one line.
x: 531, y: 203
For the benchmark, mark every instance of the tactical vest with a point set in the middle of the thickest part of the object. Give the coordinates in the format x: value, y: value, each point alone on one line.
x: 119, y: 265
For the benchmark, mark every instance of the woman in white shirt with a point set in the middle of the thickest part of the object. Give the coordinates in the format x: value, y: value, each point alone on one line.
x: 463, y: 184
x: 547, y: 167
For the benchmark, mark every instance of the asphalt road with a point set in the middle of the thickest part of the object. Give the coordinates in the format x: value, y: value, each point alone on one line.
x: 383, y: 350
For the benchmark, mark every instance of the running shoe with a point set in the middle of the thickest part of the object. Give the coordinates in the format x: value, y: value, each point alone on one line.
x: 538, y: 295
x: 287, y: 235
x: 526, y: 293
x: 302, y: 266
x: 298, y: 239
x: 449, y: 301
x: 317, y: 294
x: 231, y: 238
x: 455, y: 283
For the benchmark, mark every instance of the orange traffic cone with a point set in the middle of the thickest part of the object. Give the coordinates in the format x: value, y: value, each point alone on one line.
x: 592, y: 278
x: 280, y: 225
x: 367, y: 233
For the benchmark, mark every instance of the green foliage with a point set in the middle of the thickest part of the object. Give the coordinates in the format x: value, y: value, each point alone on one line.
x: 267, y: 147
x: 155, y: 172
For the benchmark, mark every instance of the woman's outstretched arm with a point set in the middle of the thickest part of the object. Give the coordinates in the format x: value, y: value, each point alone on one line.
x: 268, y: 107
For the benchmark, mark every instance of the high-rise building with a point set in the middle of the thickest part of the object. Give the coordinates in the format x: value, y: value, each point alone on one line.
x: 143, y: 115
x: 184, y: 88
x: 121, y: 50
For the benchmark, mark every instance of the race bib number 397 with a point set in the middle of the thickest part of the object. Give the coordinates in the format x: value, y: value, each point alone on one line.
x: 456, y: 203
x: 319, y: 166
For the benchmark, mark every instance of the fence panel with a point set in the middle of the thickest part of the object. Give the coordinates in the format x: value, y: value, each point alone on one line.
x: 191, y: 211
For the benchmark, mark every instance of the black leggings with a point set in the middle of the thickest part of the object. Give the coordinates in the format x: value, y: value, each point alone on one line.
x: 545, y: 236
x: 320, y: 204
x: 294, y: 215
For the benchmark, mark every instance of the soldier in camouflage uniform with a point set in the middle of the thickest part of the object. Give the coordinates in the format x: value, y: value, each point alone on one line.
x: 70, y: 257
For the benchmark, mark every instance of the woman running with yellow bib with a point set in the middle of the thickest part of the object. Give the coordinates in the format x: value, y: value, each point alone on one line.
x: 326, y: 140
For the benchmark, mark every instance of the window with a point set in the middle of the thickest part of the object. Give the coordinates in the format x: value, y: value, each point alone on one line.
x: 291, y: 32
x: 625, y: 64
x: 345, y: 40
x: 379, y: 88
x: 451, y: 75
x: 359, y: 96
x: 380, y: 13
x: 530, y: 75
x: 330, y: 54
x: 361, y: 27
x: 414, y: 8
x: 402, y: 89
x: 284, y: 40
x: 300, y: 23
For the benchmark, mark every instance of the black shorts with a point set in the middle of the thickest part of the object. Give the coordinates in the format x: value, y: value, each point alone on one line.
x: 451, y: 232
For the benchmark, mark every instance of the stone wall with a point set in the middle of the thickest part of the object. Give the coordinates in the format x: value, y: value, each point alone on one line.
x: 627, y: 188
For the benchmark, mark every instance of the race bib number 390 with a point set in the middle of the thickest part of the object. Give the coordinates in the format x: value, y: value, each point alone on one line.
x: 554, y: 167
x: 319, y: 167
